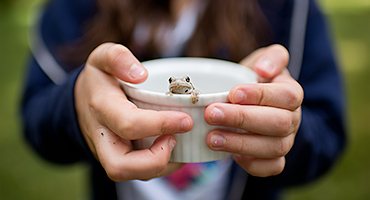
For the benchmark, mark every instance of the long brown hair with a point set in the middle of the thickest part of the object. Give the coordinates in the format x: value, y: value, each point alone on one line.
x: 227, y: 29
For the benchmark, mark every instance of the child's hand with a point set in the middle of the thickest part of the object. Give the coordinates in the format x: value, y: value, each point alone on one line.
x: 270, y: 111
x: 109, y: 121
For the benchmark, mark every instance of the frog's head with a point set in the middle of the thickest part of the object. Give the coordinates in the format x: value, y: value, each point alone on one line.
x: 180, y: 85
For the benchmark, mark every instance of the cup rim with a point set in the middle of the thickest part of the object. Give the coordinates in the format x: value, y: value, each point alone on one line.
x: 182, y: 100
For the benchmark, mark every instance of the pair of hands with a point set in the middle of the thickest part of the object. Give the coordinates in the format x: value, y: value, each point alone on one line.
x: 109, y: 122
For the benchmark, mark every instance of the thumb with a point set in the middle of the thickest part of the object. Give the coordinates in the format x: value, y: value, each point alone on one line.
x: 268, y: 62
x: 117, y: 60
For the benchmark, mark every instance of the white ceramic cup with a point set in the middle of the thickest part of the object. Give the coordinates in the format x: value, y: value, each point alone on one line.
x: 214, y: 78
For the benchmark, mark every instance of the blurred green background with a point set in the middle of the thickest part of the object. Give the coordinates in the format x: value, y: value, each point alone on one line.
x: 23, y: 175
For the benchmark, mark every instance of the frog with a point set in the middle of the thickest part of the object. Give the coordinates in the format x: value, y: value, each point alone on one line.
x: 183, y: 85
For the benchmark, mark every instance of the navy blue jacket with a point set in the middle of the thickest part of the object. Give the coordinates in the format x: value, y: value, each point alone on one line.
x: 51, y: 127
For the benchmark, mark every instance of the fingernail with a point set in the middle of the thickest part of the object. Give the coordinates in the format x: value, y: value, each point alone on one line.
x: 216, y: 115
x: 217, y: 140
x: 240, y: 96
x: 136, y: 71
x: 265, y: 65
x: 172, y: 143
x: 185, y: 124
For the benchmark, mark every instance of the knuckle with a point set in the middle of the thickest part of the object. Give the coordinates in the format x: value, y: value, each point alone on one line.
x: 281, y: 49
x: 278, y: 167
x: 277, y: 46
x: 95, y: 103
x: 295, y: 97
x: 113, y: 171
x: 262, y: 96
x: 114, y: 52
x: 285, y: 123
x: 266, y: 95
x: 113, y: 176
x: 164, y: 127
x: 241, y: 119
x: 296, y: 120
x: 259, y: 171
x: 255, y: 172
x: 240, y: 146
x: 288, y: 122
x: 282, y: 146
x: 126, y: 128
x: 264, y: 167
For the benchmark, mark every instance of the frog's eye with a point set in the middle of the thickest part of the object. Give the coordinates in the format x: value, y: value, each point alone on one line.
x: 170, y: 79
x: 187, y: 79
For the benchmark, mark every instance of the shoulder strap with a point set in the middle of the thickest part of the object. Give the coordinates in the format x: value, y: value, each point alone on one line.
x: 297, y: 36
x: 41, y: 52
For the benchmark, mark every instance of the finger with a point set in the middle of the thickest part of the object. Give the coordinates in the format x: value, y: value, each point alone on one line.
x: 257, y: 119
x: 114, y: 111
x: 286, y: 95
x: 118, y: 61
x: 120, y: 163
x: 131, y: 123
x: 268, y: 62
x: 261, y: 167
x: 256, y: 145
x: 170, y: 168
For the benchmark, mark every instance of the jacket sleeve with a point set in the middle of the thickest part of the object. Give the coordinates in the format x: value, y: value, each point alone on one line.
x: 48, y: 111
x: 321, y: 137
x: 49, y: 118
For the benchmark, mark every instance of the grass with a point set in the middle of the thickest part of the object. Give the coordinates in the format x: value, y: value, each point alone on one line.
x: 350, y: 179
x: 23, y: 175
